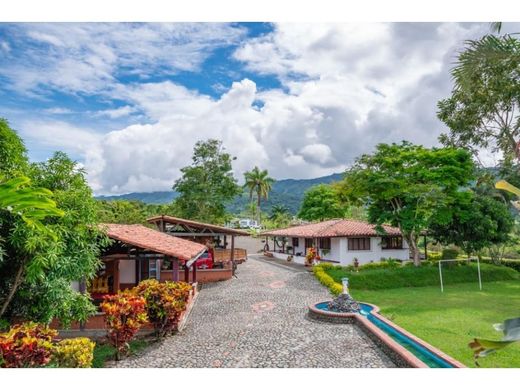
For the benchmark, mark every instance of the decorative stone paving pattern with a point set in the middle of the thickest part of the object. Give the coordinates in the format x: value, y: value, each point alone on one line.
x: 253, y: 321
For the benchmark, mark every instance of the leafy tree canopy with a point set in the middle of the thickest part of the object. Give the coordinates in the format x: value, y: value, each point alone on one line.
x: 322, y: 202
x: 477, y: 222
x: 13, y: 155
x: 406, y: 185
x: 207, y: 184
x: 483, y: 110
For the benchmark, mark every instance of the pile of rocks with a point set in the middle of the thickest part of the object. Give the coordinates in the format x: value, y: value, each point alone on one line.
x: 344, y: 303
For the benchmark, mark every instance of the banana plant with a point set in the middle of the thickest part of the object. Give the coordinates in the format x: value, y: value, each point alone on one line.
x: 32, y: 204
x: 484, y: 347
x: 510, y: 327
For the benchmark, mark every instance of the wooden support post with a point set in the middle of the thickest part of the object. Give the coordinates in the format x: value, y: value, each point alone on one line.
x: 233, y: 253
x: 175, y: 269
x: 186, y: 274
x: 116, y: 276
x: 82, y: 290
x: 194, y: 279
x: 140, y: 267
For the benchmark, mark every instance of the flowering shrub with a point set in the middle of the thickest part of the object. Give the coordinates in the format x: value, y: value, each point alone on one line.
x: 312, y: 255
x: 125, y: 313
x: 164, y: 303
x: 26, y: 345
x: 325, y: 279
x: 74, y: 353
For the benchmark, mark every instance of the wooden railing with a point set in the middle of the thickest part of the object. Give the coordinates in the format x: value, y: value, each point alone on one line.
x: 224, y: 255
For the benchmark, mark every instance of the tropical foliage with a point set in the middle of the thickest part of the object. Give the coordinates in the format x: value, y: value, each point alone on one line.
x: 258, y: 182
x: 207, y: 184
x: 408, y: 186
x: 476, y: 222
x: 38, y: 266
x: 46, y: 292
x: 484, y: 347
x: 483, y: 110
x: 125, y: 314
x: 164, y: 303
x: 131, y: 211
x: 322, y: 202
x: 73, y: 353
x: 26, y: 345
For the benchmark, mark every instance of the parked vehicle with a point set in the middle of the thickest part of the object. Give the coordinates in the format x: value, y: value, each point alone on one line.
x: 205, y: 261
x: 248, y: 224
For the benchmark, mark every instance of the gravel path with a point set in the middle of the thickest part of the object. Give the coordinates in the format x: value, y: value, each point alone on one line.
x: 259, y: 320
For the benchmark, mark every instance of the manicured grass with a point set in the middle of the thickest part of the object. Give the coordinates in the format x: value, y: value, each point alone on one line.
x: 450, y: 320
x: 106, y: 352
x: 426, y: 275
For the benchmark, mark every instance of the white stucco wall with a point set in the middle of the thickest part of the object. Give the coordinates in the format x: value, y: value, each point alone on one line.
x: 127, y: 271
x: 339, y: 252
x: 374, y: 254
x: 283, y: 256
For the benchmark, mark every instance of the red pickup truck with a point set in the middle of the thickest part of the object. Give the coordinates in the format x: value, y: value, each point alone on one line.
x: 205, y: 261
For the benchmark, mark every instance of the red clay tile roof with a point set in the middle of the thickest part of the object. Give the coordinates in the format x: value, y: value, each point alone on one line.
x: 197, y: 225
x: 333, y: 228
x: 153, y: 240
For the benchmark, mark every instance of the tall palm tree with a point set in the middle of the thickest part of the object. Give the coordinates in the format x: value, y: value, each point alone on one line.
x: 259, y: 182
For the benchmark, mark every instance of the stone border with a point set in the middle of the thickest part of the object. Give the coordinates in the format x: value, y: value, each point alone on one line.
x: 397, y: 353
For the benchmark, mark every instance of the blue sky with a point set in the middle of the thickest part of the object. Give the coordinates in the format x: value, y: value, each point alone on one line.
x: 129, y: 101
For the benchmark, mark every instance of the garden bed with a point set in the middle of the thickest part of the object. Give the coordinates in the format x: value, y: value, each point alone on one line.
x: 380, y: 276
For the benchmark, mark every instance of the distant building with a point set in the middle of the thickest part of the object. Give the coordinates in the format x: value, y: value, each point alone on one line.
x: 338, y: 241
x: 248, y: 224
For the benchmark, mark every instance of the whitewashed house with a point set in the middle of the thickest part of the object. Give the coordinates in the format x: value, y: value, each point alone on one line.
x: 339, y: 241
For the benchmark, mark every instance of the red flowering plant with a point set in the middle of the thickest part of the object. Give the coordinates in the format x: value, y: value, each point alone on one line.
x: 125, y: 314
x: 312, y: 255
x: 165, y: 302
x: 26, y: 345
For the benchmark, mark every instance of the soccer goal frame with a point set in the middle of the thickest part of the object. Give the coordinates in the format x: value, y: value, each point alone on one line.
x: 468, y: 260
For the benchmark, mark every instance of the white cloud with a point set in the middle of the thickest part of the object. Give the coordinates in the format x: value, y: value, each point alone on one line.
x: 345, y: 89
x: 117, y: 112
x: 88, y: 58
x: 5, y: 47
x: 58, y: 111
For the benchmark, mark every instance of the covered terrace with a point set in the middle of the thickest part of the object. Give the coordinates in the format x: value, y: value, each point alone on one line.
x: 215, y: 237
x: 139, y: 253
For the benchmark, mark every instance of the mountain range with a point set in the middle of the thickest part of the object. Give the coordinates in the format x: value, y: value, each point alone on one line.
x: 286, y: 192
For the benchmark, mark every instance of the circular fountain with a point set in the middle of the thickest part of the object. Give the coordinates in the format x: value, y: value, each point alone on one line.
x: 340, y: 309
x: 405, y: 349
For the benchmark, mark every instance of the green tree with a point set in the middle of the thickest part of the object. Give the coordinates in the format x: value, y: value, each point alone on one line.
x: 407, y: 185
x: 20, y: 201
x: 258, y: 182
x: 207, y: 184
x: 278, y: 210
x: 13, y: 155
x: 483, y: 110
x: 321, y: 202
x: 47, y: 291
x: 476, y: 222
x: 122, y: 211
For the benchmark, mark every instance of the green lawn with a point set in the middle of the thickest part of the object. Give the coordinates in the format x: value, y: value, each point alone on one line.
x: 106, y: 352
x: 450, y: 320
x: 426, y: 275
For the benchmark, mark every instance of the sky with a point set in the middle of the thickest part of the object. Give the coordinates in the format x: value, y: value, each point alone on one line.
x: 129, y: 101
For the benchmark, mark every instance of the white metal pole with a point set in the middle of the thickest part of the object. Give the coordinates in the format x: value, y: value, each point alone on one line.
x: 479, y: 278
x: 440, y: 274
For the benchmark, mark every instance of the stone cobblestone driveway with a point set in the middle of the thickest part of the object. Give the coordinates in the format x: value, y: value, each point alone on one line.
x: 259, y: 320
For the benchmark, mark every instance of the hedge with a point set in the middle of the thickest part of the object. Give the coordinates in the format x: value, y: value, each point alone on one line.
x: 410, y: 276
